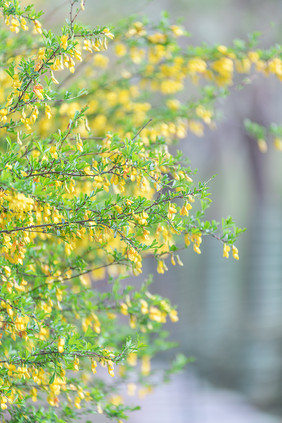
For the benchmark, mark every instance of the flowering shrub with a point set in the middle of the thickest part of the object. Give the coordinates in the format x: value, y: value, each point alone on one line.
x: 89, y: 188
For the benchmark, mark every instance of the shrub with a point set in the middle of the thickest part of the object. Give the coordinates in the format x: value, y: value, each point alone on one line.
x: 90, y: 186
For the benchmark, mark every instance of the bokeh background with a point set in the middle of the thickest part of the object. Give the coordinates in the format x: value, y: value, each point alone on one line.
x: 230, y: 312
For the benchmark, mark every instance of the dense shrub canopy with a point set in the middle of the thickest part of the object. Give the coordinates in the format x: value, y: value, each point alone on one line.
x: 89, y: 188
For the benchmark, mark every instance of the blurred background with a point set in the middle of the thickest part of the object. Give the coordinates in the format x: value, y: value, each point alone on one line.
x: 230, y: 312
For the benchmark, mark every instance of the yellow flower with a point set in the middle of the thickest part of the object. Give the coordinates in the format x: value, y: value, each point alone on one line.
x: 57, y: 65
x: 262, y: 145
x: 184, y: 211
x: 132, y: 359
x: 171, y: 86
x: 204, y: 114
x: 99, y: 409
x: 278, y: 143
x: 116, y: 400
x: 196, y: 249
x: 53, y: 152
x: 3, y: 401
x: 171, y: 211
x: 79, y: 145
x: 64, y: 41
x: 243, y: 65
x: 14, y: 25
x: 100, y: 61
x: 124, y: 309
x: 23, y: 24
x: 235, y: 252
x: 144, y: 306
x: 177, y: 30
x: 253, y: 56
x: 222, y: 49
x: 157, y: 38
x: 145, y: 365
x: 110, y: 368
x: 132, y: 321
x: 93, y: 366
x: 155, y: 314
x: 120, y: 50
x: 224, y: 68
x: 131, y: 389
x: 137, y: 55
x: 37, y: 27
x: 96, y: 45
x: 33, y: 393
x: 196, y: 127
x: 161, y: 268
x: 196, y: 64
x: 179, y: 262
x: 226, y: 249
x: 108, y: 34
x: 173, y: 316
x: 38, y: 90
x: 61, y: 343
x: 77, y: 401
x: 76, y: 364
x: 87, y: 45
x: 275, y: 66
x: 3, y: 115
x: 138, y: 30
x: 173, y: 104
x: 54, y: 80
x: 48, y: 113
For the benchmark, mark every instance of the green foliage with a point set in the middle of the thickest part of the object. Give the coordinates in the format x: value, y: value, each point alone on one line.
x: 90, y: 187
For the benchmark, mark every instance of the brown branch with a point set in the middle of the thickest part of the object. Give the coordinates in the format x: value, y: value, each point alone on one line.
x: 75, y: 276
x: 141, y: 129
